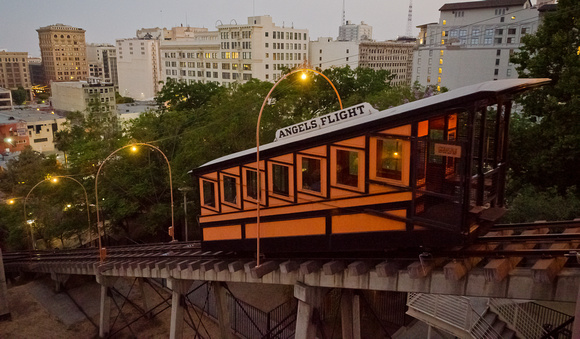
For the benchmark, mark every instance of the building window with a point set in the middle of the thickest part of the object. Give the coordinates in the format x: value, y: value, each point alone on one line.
x: 280, y: 180
x: 497, y: 62
x: 251, y: 184
x: 347, y: 167
x: 496, y: 72
x: 389, y: 159
x: 208, y: 191
x: 230, y: 189
x: 311, y: 174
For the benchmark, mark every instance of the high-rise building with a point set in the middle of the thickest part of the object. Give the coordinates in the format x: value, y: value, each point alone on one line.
x: 14, y: 71
x: 36, y: 71
x: 138, y: 67
x: 473, y: 42
x: 394, y: 56
x: 102, y: 60
x: 64, y: 53
x: 354, y: 32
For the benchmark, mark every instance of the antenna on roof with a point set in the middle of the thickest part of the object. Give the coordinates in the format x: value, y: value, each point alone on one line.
x: 343, y: 13
x: 409, y: 31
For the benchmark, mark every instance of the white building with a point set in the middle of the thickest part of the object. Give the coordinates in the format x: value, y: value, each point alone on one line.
x: 102, y: 59
x: 234, y: 53
x: 85, y: 97
x: 354, y: 32
x: 326, y: 52
x: 472, y: 42
x: 138, y: 68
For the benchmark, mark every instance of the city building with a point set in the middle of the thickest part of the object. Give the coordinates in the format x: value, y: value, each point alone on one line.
x: 32, y: 127
x: 5, y: 99
x: 394, y: 56
x: 358, y: 50
x: 63, y: 52
x: 138, y: 67
x: 472, y: 42
x: 354, y: 32
x: 36, y: 71
x: 14, y: 71
x: 326, y: 52
x: 235, y: 52
x: 90, y: 96
x: 102, y: 60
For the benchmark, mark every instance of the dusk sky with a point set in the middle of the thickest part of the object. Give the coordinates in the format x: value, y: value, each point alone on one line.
x: 108, y: 20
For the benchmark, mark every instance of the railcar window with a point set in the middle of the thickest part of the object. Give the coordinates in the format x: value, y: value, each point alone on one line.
x: 251, y: 184
x: 389, y: 158
x: 230, y: 190
x: 347, y: 167
x: 311, y: 179
x: 208, y: 194
x: 280, y: 180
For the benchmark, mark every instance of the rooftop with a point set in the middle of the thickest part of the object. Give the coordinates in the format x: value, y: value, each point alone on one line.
x: 28, y: 114
x: 482, y: 4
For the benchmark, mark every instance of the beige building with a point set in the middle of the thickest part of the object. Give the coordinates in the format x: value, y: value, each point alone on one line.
x: 14, y: 71
x: 102, y: 59
x: 138, y: 68
x: 87, y: 97
x: 5, y: 99
x: 64, y: 52
x: 393, y: 56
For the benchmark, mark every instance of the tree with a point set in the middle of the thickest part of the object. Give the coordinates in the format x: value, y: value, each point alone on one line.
x: 544, y: 149
x: 19, y: 95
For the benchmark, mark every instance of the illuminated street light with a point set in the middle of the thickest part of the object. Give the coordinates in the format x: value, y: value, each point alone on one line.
x: 54, y: 179
x: 258, y: 184
x: 103, y: 251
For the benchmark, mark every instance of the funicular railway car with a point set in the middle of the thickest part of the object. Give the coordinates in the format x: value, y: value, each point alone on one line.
x: 429, y: 173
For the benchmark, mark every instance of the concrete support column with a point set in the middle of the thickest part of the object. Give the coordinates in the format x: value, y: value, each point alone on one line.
x: 144, y: 296
x: 106, y: 283
x: 4, y: 312
x: 223, y: 312
x: 350, y: 315
x: 179, y: 289
x: 59, y: 280
x: 309, y: 302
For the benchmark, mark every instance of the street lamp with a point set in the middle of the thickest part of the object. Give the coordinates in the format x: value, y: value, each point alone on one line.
x: 303, y: 70
x: 103, y: 251
x: 54, y: 180
x: 184, y: 190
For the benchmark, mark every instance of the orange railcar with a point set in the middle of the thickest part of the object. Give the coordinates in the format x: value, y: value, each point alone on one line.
x: 429, y: 173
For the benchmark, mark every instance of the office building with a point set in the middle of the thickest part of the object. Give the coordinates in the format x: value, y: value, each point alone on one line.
x: 102, y: 60
x: 64, y: 53
x: 90, y: 96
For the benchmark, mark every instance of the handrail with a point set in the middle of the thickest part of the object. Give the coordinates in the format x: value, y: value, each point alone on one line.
x: 555, y: 332
x: 517, y: 318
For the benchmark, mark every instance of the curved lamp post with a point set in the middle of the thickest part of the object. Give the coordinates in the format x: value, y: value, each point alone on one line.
x: 103, y: 251
x: 258, y: 184
x: 54, y: 179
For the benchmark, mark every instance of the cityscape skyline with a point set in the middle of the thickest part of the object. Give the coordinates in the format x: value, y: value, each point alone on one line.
x: 104, y: 25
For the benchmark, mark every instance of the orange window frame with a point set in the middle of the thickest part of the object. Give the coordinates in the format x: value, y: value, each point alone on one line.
x: 215, y: 195
x: 237, y: 203
x: 299, y: 176
x: 334, y: 166
x: 405, y: 165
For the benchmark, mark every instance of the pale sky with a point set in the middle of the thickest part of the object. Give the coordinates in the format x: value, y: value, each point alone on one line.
x: 108, y: 20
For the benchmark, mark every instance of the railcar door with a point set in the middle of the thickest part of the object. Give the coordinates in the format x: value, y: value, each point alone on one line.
x: 437, y: 172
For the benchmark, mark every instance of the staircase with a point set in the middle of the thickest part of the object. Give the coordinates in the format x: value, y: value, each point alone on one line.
x: 462, y: 317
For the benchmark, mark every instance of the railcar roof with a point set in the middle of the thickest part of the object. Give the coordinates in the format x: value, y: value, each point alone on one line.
x: 447, y: 99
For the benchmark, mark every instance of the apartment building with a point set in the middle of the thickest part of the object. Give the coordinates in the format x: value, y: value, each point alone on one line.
x: 235, y: 52
x: 325, y: 52
x: 5, y: 99
x: 102, y: 60
x: 472, y: 42
x: 353, y: 32
x: 14, y: 70
x: 90, y: 96
x: 64, y: 53
x: 394, y: 56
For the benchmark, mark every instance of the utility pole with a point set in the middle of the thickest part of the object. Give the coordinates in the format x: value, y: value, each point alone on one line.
x: 184, y: 190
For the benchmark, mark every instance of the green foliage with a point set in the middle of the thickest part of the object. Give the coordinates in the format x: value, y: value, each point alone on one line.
x: 24, y: 172
x: 12, y: 232
x: 180, y: 95
x: 531, y: 204
x: 19, y: 95
x: 119, y: 99
x: 545, y: 151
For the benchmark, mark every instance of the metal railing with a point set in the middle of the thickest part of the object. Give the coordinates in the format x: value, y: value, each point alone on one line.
x: 548, y: 318
x: 517, y: 318
x: 247, y: 320
x: 453, y: 310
